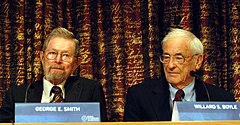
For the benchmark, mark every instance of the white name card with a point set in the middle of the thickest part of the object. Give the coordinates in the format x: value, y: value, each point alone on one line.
x: 205, y: 111
x: 57, y: 112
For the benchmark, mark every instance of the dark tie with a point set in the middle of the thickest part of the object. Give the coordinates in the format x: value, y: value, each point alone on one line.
x: 58, y: 95
x: 179, y: 95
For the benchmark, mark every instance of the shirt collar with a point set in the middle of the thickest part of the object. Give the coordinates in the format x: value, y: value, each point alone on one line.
x: 47, y: 86
x: 188, y: 90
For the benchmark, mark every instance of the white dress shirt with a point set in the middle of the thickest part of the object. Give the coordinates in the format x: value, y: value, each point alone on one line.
x: 190, y: 94
x: 47, y: 86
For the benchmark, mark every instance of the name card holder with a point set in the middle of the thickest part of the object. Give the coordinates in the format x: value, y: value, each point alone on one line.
x: 205, y: 111
x: 57, y: 112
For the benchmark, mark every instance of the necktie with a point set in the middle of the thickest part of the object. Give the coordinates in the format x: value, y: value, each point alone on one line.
x: 179, y: 95
x: 58, y: 95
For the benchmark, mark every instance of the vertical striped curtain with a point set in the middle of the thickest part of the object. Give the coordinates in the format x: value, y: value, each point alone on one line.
x: 120, y: 40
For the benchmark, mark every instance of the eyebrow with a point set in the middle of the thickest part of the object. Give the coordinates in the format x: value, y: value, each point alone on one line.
x: 179, y: 54
x: 174, y: 54
x: 61, y: 51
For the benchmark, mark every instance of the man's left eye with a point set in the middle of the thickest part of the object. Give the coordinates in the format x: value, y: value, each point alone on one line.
x: 66, y: 55
x: 178, y: 57
x: 52, y: 53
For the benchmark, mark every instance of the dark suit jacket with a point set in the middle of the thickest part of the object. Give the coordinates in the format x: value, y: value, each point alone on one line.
x: 149, y: 101
x: 77, y: 89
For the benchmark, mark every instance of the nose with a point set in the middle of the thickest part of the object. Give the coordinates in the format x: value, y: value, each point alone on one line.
x: 171, y: 63
x: 58, y: 58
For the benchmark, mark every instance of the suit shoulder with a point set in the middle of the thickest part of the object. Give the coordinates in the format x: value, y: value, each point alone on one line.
x: 19, y: 88
x: 220, y: 93
x: 81, y: 80
x: 87, y: 80
x: 215, y: 88
x: 146, y: 84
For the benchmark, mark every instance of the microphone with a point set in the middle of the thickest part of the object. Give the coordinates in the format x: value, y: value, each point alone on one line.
x: 194, y: 74
x: 27, y: 91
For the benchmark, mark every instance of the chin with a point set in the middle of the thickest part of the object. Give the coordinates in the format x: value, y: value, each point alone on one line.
x: 173, y: 81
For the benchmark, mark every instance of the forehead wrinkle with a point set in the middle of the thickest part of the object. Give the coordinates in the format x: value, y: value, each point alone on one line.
x: 57, y: 51
x: 61, y: 47
x: 182, y: 49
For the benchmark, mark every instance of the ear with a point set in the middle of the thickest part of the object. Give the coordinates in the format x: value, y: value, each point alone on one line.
x: 199, y: 61
x: 41, y: 56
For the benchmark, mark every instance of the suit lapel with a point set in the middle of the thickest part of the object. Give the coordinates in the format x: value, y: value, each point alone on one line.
x: 160, y: 99
x: 35, y: 91
x: 73, y: 89
x: 201, y: 94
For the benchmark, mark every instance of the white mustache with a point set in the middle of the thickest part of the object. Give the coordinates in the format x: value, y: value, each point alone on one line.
x: 56, y: 67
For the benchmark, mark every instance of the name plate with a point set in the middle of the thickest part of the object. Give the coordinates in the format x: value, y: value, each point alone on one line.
x: 57, y: 112
x: 205, y: 111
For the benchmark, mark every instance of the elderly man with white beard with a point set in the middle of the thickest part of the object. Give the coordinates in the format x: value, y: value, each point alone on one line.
x: 59, y: 58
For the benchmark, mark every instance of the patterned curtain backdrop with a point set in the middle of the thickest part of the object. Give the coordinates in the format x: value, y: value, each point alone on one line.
x: 120, y: 40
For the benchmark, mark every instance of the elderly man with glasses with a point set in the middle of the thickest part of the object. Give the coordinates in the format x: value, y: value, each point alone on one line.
x: 153, y: 99
x: 59, y: 58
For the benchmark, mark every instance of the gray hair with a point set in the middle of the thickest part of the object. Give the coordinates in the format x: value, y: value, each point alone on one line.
x: 195, y: 44
x: 63, y: 33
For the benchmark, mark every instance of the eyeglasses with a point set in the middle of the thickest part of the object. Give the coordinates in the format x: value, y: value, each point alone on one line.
x: 177, y: 59
x: 66, y: 57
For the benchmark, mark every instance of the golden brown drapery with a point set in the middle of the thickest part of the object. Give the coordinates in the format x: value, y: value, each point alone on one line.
x: 120, y: 40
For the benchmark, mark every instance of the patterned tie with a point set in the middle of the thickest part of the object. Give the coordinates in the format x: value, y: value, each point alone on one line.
x: 58, y: 95
x: 179, y: 95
